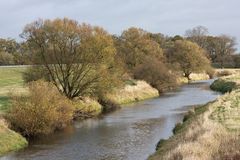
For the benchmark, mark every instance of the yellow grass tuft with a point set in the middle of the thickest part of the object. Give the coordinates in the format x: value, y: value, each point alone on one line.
x: 132, y: 93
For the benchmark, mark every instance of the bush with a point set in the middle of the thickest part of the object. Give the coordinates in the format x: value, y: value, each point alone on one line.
x: 223, y: 86
x: 156, y: 74
x: 42, y: 112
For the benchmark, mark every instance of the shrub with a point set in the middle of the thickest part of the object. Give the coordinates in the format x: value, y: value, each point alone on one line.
x: 223, y: 86
x: 43, y: 111
x: 156, y: 74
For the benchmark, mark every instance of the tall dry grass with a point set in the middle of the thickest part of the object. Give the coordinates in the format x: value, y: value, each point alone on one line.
x: 132, y: 93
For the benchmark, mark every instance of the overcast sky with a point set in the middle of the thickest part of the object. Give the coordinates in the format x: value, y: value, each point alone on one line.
x: 169, y: 17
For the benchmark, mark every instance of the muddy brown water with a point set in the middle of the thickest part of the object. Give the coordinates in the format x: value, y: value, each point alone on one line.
x: 130, y: 133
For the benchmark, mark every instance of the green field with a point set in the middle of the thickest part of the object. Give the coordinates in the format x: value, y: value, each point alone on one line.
x: 10, y: 81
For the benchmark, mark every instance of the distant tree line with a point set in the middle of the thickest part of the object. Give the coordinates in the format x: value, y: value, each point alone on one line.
x: 220, y: 50
x: 13, y: 52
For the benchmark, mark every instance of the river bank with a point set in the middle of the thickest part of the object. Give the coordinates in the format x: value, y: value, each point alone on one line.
x: 129, y: 133
x: 10, y: 140
x: 207, y: 132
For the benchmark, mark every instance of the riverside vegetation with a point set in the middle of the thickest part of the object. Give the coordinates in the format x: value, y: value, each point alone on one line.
x: 42, y: 103
x: 79, y: 71
x: 210, y: 131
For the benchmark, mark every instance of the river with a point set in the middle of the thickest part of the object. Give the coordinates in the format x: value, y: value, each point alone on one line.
x: 130, y: 133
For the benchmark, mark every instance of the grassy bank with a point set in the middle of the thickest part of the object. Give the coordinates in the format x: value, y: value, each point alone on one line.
x: 132, y: 92
x: 10, y: 140
x: 207, y: 132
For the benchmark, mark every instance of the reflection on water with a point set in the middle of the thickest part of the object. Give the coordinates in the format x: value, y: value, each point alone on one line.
x: 130, y: 133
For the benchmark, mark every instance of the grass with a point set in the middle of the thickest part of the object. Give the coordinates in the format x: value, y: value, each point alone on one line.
x: 86, y: 108
x: 4, y: 103
x: 133, y: 92
x: 228, y: 111
x: 209, y: 132
x: 226, y: 71
x: 10, y: 140
x: 10, y: 80
x: 11, y: 76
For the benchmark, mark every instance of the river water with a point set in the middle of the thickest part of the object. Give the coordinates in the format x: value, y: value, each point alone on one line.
x: 130, y: 133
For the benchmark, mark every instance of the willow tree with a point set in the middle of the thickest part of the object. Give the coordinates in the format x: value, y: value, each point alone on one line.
x: 189, y: 57
x: 78, y: 58
x: 134, y: 45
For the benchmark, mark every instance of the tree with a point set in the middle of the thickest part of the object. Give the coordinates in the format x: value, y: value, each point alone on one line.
x: 17, y: 51
x: 189, y: 56
x: 156, y: 73
x: 79, y: 58
x: 8, y: 48
x: 160, y: 38
x: 6, y: 58
x: 225, y: 48
x: 144, y: 59
x: 177, y: 37
x: 197, y: 35
x: 236, y: 59
x: 9, y: 45
x: 134, y: 45
x: 219, y: 48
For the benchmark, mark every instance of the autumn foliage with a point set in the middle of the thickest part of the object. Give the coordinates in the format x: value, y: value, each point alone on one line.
x: 41, y: 112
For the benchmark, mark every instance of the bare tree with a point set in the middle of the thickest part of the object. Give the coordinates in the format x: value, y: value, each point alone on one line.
x: 197, y: 35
